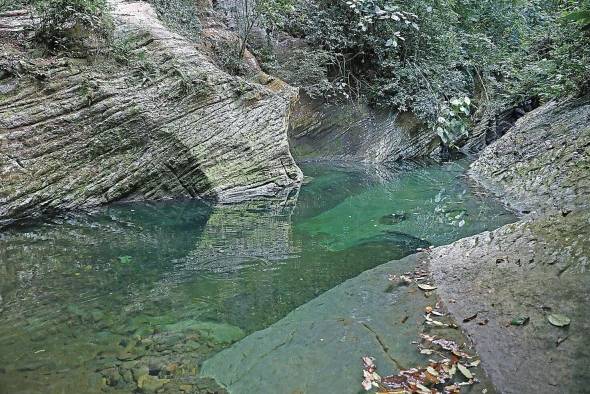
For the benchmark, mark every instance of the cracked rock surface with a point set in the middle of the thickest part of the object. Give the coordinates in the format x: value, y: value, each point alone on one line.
x: 76, y: 133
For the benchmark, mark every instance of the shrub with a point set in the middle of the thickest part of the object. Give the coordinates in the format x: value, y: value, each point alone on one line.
x: 180, y: 15
x: 9, y: 5
x: 76, y: 26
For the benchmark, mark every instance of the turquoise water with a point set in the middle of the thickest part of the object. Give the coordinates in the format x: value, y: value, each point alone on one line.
x: 112, y: 300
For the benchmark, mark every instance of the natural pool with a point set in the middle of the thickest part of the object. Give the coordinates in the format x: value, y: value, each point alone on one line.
x: 112, y: 300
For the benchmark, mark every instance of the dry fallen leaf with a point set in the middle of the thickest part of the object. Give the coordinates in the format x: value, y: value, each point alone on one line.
x: 558, y: 320
x: 463, y: 369
x: 426, y: 287
x: 469, y: 318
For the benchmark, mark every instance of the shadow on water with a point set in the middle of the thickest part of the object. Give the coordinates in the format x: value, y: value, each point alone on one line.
x: 141, y: 292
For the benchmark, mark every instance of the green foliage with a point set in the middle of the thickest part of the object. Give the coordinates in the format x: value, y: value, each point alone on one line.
x: 228, y: 56
x: 180, y: 15
x: 453, y: 122
x: 582, y: 17
x: 305, y: 68
x: 75, y: 26
x: 417, y: 55
x: 125, y: 259
x: 9, y: 5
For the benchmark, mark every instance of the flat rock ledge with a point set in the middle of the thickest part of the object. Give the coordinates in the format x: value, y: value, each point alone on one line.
x: 529, y: 269
x: 317, y: 348
x: 77, y: 133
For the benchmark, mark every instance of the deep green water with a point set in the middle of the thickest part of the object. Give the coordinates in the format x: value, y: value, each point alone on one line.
x: 87, y: 301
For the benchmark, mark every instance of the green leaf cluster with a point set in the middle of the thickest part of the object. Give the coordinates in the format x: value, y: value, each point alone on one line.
x: 417, y: 55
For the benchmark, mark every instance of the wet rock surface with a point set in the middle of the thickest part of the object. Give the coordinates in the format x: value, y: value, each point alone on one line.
x: 317, y: 348
x: 78, y: 133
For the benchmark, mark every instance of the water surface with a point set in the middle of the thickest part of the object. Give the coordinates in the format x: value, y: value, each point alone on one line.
x: 90, y: 303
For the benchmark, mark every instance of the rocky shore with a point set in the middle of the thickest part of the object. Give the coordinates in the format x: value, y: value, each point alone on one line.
x: 502, y: 287
x: 533, y: 269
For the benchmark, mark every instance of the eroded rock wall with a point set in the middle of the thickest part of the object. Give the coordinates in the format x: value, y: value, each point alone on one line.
x: 79, y: 133
x: 543, y: 163
x: 355, y: 132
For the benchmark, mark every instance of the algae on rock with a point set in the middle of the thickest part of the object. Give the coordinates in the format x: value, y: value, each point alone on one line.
x: 80, y: 134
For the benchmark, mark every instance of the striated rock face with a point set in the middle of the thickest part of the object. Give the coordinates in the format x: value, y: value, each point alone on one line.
x: 358, y: 133
x: 543, y: 162
x: 169, y: 123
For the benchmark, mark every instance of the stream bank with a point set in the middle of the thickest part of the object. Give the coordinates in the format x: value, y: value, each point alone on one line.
x: 537, y: 267
x: 521, y: 272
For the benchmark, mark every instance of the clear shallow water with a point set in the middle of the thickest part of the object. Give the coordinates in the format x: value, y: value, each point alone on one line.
x: 88, y: 301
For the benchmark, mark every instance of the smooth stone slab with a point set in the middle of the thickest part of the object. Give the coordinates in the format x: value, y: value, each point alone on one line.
x: 532, y: 269
x: 318, y: 346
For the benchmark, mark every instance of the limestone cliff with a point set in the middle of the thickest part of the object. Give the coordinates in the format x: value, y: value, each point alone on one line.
x: 81, y: 133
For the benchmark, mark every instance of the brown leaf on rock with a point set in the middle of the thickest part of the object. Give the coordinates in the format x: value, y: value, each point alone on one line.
x: 469, y: 318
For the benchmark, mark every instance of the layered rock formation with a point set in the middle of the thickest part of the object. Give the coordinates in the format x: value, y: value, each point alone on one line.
x: 355, y: 132
x: 543, y: 163
x: 533, y: 268
x: 168, y: 123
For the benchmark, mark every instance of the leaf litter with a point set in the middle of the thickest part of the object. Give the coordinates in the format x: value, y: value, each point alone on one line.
x: 447, y: 375
x: 558, y: 320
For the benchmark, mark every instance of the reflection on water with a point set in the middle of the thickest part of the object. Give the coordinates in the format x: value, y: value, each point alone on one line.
x: 139, y: 294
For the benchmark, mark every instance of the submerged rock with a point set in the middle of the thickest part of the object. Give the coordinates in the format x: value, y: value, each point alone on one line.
x: 318, y: 347
x: 393, y: 218
x: 219, y: 333
x: 404, y: 243
x: 95, y: 132
x: 150, y: 383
